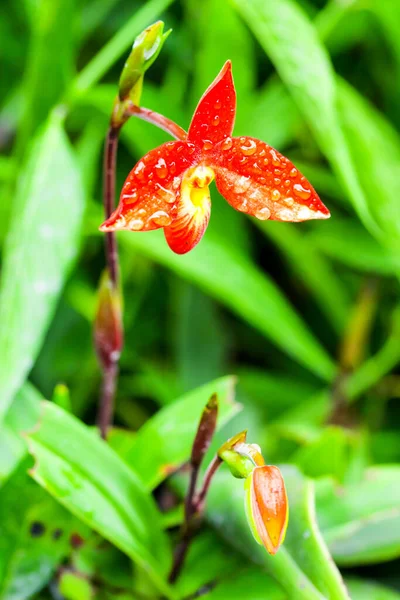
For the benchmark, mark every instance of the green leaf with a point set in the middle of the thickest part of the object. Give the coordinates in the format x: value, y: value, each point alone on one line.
x: 41, y: 245
x: 21, y: 416
x: 304, y: 66
x: 165, y: 441
x: 218, y: 25
x: 50, y: 58
x: 361, y: 589
x: 312, y: 269
x: 347, y: 242
x: 34, y: 536
x: 251, y: 583
x: 90, y: 480
x: 375, y: 148
x: 327, y: 455
x: 302, y: 566
x: 221, y: 270
x: 361, y: 521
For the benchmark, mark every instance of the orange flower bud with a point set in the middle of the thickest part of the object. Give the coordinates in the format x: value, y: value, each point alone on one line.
x: 266, y: 506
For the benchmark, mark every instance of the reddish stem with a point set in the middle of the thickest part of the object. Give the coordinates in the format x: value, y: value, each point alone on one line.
x: 158, y: 120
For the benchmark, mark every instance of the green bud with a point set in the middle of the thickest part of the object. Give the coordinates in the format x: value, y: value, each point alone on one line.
x: 144, y: 52
x: 239, y: 465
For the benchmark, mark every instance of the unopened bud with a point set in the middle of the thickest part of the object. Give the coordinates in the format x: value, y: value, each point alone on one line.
x: 144, y: 52
x: 266, y: 506
x: 108, y: 330
x: 205, y: 431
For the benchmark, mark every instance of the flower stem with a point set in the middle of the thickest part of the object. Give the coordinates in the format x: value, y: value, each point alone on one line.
x: 110, y: 368
x: 156, y: 119
x: 194, y: 508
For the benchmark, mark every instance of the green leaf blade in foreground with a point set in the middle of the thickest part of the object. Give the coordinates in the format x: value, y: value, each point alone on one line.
x: 165, y: 441
x: 90, y: 480
x: 230, y: 277
x: 39, y: 251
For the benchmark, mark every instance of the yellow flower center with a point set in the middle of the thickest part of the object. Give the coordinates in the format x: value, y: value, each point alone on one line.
x: 194, y: 188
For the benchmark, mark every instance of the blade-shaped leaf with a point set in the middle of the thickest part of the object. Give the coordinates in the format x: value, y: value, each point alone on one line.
x: 221, y: 270
x: 361, y: 521
x: 165, y: 441
x: 22, y: 415
x: 34, y: 536
x: 89, y: 479
x: 361, y: 589
x: 38, y: 253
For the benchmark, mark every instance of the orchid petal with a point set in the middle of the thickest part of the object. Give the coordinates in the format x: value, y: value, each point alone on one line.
x: 150, y: 193
x: 256, y: 179
x: 214, y: 116
x: 188, y: 227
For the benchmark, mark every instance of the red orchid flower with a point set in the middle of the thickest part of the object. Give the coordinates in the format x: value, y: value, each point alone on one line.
x: 169, y: 187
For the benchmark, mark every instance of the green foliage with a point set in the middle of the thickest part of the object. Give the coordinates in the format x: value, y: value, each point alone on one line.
x: 278, y: 319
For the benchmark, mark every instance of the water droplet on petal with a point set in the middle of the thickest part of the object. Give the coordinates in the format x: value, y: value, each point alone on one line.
x: 275, y: 195
x: 242, y: 184
x: 161, y: 218
x: 141, y: 212
x: 289, y: 201
x: 293, y: 172
x: 136, y: 224
x: 217, y: 104
x: 275, y: 158
x: 263, y: 214
x: 226, y: 144
x: 161, y: 168
x: 207, y: 145
x: 301, y: 192
x: 249, y: 147
x: 265, y: 162
x: 215, y: 121
x: 277, y: 181
x: 176, y: 183
x: 287, y: 182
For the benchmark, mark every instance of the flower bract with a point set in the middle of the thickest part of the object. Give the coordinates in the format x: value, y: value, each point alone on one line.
x: 169, y: 186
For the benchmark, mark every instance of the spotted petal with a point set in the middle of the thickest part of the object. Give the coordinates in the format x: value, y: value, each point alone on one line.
x: 214, y: 116
x: 151, y: 191
x: 256, y: 179
x: 193, y: 211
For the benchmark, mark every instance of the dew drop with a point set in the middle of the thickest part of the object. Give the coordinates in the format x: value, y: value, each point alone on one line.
x: 289, y: 201
x: 161, y: 168
x: 139, y: 169
x: 141, y: 212
x: 265, y: 162
x: 215, y: 121
x: 277, y: 181
x: 249, y: 148
x: 176, y: 183
x: 293, y: 172
x: 242, y: 184
x: 287, y: 182
x: 136, y: 224
x: 217, y: 104
x: 275, y: 158
x: 276, y: 195
x: 301, y: 192
x: 207, y: 145
x: 161, y: 218
x: 263, y: 214
x: 226, y: 144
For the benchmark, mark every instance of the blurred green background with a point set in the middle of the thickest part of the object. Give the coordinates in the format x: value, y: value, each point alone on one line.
x: 306, y: 316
